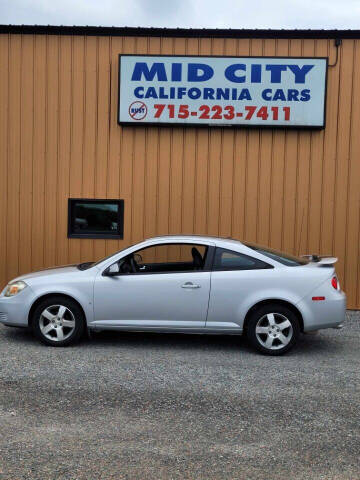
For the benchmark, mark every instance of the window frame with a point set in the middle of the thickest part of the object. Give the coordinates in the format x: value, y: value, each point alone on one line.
x: 95, y: 235
x: 207, y: 266
x: 266, y: 266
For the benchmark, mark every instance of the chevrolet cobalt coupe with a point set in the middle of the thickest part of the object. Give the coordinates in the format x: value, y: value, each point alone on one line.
x: 187, y: 284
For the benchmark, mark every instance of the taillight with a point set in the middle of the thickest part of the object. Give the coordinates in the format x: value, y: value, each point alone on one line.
x: 335, y: 283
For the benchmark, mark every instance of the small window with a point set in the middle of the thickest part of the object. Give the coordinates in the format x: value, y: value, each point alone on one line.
x: 230, y: 260
x: 95, y: 218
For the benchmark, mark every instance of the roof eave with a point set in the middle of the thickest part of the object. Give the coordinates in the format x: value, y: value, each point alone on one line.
x: 177, y: 32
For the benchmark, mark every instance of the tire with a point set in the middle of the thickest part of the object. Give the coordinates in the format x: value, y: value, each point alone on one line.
x: 58, y: 321
x: 273, y: 329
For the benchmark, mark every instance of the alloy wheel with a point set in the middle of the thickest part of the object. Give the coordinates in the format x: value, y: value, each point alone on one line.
x: 274, y: 331
x: 57, y: 323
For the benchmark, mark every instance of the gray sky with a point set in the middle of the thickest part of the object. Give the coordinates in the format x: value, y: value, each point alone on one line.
x: 185, y: 13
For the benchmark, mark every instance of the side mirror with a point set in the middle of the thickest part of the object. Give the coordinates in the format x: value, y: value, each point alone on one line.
x: 112, y: 271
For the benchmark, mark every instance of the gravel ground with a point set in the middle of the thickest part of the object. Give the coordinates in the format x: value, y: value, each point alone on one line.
x: 147, y: 406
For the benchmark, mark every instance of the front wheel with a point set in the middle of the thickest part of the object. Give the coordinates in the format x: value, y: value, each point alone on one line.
x: 273, y: 329
x: 58, y: 321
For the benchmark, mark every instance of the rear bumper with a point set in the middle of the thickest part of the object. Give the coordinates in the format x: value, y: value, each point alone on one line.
x: 324, y: 314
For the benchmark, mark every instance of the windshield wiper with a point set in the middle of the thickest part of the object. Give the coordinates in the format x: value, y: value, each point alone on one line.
x: 85, y: 265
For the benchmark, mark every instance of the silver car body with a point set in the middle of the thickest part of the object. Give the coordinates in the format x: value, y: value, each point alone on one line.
x: 192, y: 301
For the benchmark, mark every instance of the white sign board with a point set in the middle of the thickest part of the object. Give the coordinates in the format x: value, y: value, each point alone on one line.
x: 222, y: 91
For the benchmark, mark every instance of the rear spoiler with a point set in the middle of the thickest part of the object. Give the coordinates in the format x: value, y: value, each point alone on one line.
x: 321, y: 260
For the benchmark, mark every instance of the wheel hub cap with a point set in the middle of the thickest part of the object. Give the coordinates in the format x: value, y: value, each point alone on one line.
x: 274, y: 331
x: 57, y: 323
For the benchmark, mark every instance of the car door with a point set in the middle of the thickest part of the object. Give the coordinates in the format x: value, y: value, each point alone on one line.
x: 235, y: 279
x: 173, y: 294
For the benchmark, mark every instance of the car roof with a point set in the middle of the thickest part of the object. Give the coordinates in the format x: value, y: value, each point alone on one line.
x: 196, y: 238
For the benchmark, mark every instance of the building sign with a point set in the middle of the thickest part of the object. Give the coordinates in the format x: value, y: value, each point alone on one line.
x: 225, y: 91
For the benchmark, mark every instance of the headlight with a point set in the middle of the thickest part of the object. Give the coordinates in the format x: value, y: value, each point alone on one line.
x: 14, y: 288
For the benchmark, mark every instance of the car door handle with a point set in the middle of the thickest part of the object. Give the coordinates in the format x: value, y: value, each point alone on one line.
x: 190, y: 285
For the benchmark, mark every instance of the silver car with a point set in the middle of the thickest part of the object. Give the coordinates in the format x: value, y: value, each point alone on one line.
x: 187, y: 284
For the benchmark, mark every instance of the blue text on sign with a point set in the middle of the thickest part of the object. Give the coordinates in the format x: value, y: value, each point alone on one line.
x: 201, y: 72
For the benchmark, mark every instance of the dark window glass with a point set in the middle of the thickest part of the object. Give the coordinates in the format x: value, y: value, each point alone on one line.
x: 281, y: 257
x: 95, y: 218
x: 169, y: 258
x: 230, y: 260
x: 165, y: 258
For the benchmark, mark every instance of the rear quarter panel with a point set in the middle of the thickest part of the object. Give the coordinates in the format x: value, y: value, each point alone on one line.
x: 233, y: 293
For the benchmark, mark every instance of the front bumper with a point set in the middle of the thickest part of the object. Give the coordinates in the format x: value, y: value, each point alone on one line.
x: 14, y: 311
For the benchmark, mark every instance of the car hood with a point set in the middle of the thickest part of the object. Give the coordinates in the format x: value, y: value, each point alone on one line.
x: 49, y: 271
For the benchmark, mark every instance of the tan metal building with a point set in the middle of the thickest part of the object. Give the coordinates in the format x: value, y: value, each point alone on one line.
x: 293, y: 189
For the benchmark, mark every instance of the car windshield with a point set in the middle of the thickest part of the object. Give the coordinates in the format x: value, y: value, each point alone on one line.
x: 86, y: 265
x: 281, y: 257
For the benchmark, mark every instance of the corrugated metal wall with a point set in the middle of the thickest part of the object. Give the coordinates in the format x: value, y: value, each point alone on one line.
x: 59, y: 138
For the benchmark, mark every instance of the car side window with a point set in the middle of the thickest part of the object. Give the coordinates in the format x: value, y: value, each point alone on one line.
x: 230, y: 260
x: 165, y: 258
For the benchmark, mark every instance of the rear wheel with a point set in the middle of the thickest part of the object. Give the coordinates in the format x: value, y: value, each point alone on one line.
x: 273, y: 329
x: 58, y: 321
